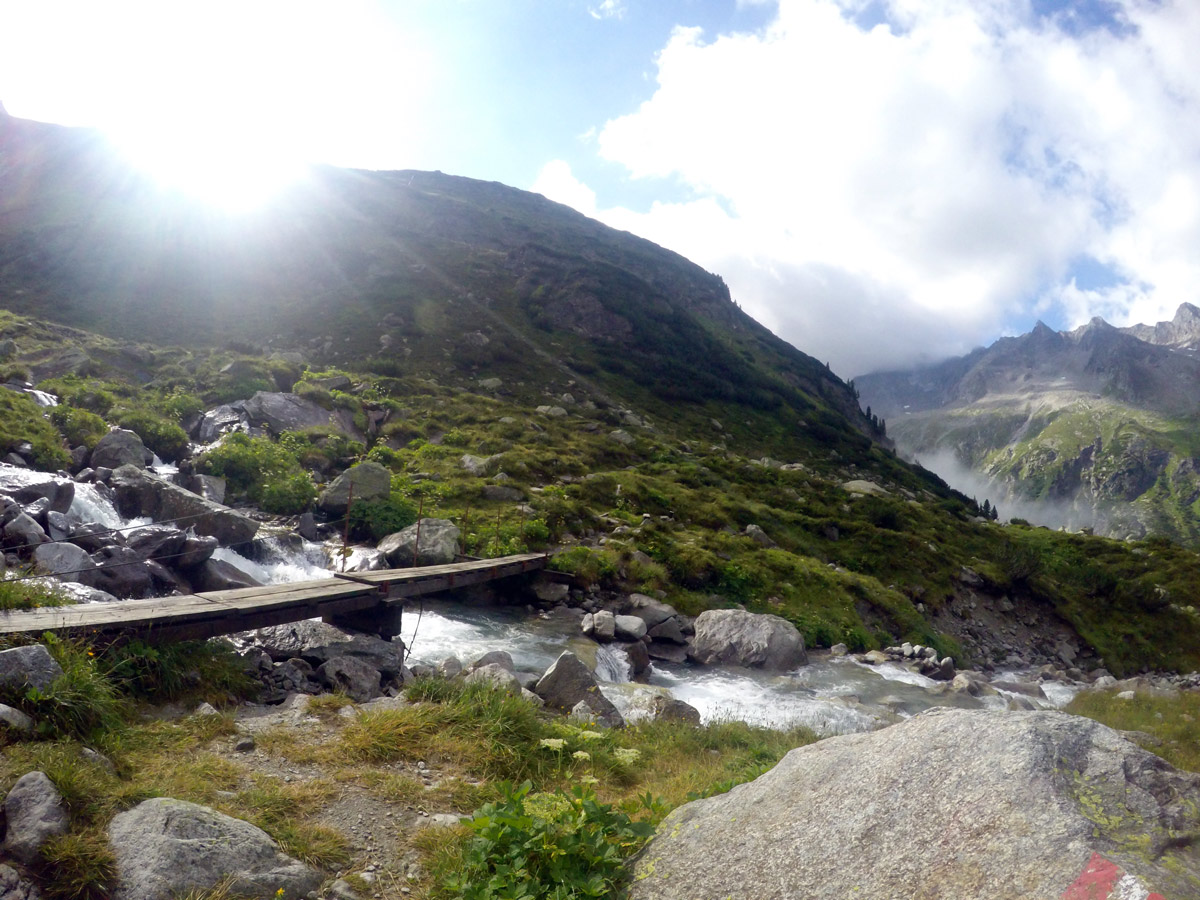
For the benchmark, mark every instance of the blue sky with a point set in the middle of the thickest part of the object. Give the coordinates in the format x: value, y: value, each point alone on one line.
x: 879, y: 181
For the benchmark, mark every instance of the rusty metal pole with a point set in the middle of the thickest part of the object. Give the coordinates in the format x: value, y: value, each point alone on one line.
x: 346, y: 527
x: 417, y: 541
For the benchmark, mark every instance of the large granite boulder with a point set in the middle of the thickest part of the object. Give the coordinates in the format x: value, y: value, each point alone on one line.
x: 438, y: 544
x: 734, y: 637
x: 290, y: 412
x: 949, y: 805
x: 166, y: 848
x: 568, y: 682
x: 120, y: 448
x: 29, y: 487
x: 369, y: 481
x: 35, y: 813
x: 140, y: 493
x: 66, y: 562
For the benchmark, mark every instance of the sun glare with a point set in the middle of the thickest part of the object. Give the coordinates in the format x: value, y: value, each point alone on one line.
x: 221, y: 168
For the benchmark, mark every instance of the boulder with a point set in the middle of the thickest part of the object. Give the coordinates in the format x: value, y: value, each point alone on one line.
x: 318, y: 642
x: 480, y: 466
x: 671, y: 709
x: 120, y: 448
x: 604, y: 625
x: 30, y: 665
x: 668, y: 631
x: 501, y: 658
x: 500, y: 493
x: 196, y: 549
x: 438, y: 544
x: 959, y: 805
x: 587, y: 712
x: 351, y: 676
x: 140, y: 493
x: 218, y: 575
x: 652, y: 612
x: 755, y: 640
x: 14, y: 720
x: 218, y: 422
x: 58, y: 492
x: 122, y: 573
x: 550, y: 592
x: 210, y: 487
x: 167, y: 848
x: 639, y: 657
x: 35, y: 812
x: 366, y: 481
x: 495, y: 676
x: 156, y: 541
x: 567, y: 682
x: 629, y: 628
x: 22, y: 531
x: 65, y: 562
x: 278, y: 412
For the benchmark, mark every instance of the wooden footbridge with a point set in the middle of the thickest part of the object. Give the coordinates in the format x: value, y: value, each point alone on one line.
x: 366, y: 601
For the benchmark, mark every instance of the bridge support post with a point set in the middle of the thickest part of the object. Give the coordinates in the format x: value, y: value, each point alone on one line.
x: 381, y: 620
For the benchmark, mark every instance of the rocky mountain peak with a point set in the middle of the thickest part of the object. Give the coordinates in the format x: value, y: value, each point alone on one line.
x: 1181, y: 333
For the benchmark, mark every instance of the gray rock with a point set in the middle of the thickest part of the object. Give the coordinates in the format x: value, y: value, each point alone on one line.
x: 218, y: 422
x: 495, y: 676
x: 30, y: 665
x: 57, y: 492
x: 195, y: 549
x: 1011, y: 805
x: 22, y: 531
x: 554, y: 412
x: 639, y: 657
x: 318, y: 642
x: 567, y: 682
x: 438, y: 544
x: 218, y: 575
x: 35, y: 813
x: 622, y: 437
x: 499, y: 493
x: 755, y: 640
x: 839, y: 650
x: 157, y: 541
x: 604, y: 625
x: 351, y: 676
x: 120, y: 448
x: 1025, y: 688
x: 122, y: 573
x: 480, y: 466
x: 210, y: 487
x: 671, y: 709
x: 14, y: 720
x: 668, y: 631
x: 167, y: 848
x: 756, y: 534
x: 550, y: 592
x: 14, y: 887
x: 501, y: 658
x: 368, y: 480
x: 65, y: 562
x: 278, y: 412
x: 140, y: 493
x: 648, y: 609
x: 588, y: 712
x: 629, y: 628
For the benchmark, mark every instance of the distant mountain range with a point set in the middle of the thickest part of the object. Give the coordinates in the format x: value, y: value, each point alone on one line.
x: 1099, y: 426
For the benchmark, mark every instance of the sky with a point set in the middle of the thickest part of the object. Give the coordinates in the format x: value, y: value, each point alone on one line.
x: 880, y: 182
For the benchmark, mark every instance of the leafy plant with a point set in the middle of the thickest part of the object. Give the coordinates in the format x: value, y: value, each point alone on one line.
x: 374, y: 520
x: 161, y: 435
x: 78, y: 425
x: 562, y: 845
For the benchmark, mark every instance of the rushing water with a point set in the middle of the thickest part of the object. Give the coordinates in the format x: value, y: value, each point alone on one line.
x: 829, y: 695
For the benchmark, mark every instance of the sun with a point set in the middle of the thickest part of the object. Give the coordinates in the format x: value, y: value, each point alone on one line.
x: 230, y: 170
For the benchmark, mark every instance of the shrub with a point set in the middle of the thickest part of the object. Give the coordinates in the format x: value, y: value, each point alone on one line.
x: 267, y: 473
x: 374, y: 520
x: 162, y: 436
x: 171, y: 671
x: 287, y: 494
x: 22, y: 420
x: 546, y: 845
x: 78, y: 425
x: 15, y: 594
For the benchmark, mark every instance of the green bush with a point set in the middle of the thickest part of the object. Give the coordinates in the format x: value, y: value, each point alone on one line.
x: 22, y: 420
x: 267, y: 473
x: 16, y: 594
x: 546, y: 845
x: 78, y: 425
x: 171, y: 671
x: 162, y: 436
x: 373, y: 520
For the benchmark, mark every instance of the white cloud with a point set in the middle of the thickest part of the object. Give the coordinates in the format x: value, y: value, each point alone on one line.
x: 556, y: 182
x: 878, y: 193
x: 609, y: 9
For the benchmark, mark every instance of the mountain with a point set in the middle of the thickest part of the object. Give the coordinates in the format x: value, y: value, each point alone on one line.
x: 1098, y: 425
x: 545, y: 382
x: 423, y: 272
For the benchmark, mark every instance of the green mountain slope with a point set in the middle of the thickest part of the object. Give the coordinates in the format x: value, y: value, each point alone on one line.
x: 615, y: 404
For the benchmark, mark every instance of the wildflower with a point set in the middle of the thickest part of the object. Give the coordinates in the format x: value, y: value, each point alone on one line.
x: 627, y: 755
x: 590, y: 735
x: 582, y: 755
x: 552, y: 743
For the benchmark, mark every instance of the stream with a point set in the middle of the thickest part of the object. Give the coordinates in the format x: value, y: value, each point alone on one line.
x: 830, y: 695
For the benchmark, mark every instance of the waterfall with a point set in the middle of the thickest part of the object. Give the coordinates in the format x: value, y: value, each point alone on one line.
x: 612, y: 664
x: 279, y: 561
x: 93, y: 504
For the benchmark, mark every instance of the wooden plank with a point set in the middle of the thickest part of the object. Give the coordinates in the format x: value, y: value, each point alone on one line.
x: 220, y: 612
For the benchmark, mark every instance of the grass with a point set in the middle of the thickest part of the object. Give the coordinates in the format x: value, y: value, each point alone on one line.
x: 1165, y: 723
